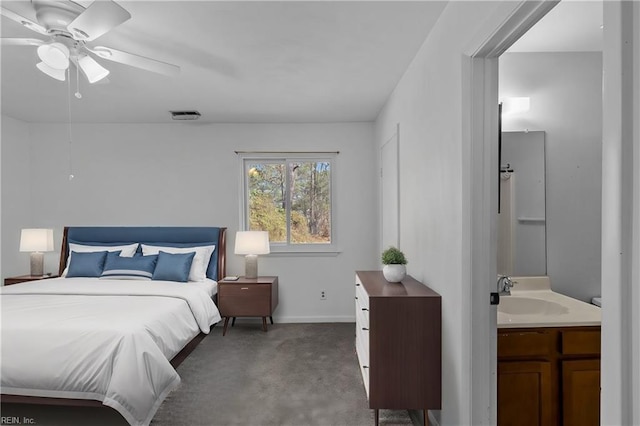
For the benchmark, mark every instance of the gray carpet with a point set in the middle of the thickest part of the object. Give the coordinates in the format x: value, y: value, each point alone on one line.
x: 295, y: 374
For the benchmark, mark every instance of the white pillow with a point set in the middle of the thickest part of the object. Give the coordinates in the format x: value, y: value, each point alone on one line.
x: 200, y: 262
x: 126, y: 251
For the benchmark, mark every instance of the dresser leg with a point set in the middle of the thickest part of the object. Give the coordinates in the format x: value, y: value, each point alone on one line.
x: 264, y: 324
x: 271, y: 318
x: 233, y: 322
x: 426, y: 417
x: 376, y: 416
x: 226, y: 323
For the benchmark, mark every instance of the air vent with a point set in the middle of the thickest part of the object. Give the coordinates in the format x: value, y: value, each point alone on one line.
x: 185, y: 115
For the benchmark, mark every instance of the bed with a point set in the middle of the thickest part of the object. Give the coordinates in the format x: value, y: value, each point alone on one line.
x: 113, y: 339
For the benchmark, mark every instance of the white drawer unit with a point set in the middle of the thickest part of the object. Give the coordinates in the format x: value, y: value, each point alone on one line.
x: 398, y: 342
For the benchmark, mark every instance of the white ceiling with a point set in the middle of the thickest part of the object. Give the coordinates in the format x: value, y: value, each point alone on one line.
x: 571, y: 26
x: 326, y: 61
x: 289, y: 61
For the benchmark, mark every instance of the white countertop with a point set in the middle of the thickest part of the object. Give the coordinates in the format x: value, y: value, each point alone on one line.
x: 552, y: 309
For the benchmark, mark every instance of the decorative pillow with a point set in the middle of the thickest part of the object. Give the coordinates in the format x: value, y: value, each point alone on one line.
x: 126, y: 250
x: 88, y: 264
x: 129, y: 268
x: 173, y: 266
x: 200, y: 262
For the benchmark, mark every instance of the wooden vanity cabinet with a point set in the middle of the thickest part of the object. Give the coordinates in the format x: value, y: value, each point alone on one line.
x: 549, y: 376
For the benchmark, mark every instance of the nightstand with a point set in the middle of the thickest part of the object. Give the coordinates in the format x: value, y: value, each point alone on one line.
x: 248, y: 297
x: 25, y: 278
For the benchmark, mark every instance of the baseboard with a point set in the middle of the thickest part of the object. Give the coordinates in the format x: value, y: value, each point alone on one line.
x: 347, y: 318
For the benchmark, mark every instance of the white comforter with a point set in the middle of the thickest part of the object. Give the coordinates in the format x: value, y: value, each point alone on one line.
x: 108, y: 340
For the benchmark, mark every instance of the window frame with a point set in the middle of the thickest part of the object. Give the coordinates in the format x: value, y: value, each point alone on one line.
x: 287, y: 157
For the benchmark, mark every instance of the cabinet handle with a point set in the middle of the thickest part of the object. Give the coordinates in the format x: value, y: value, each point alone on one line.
x: 364, y: 309
x: 356, y: 297
x: 244, y: 288
x: 357, y: 285
x: 365, y: 366
x: 365, y: 329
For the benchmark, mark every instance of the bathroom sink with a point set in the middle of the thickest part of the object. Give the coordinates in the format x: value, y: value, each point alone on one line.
x: 514, y: 305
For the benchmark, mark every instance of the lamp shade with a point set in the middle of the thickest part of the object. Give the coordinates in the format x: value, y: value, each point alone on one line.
x: 252, y: 242
x: 36, y: 239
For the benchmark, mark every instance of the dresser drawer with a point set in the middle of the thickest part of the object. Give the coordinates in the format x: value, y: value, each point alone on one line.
x: 361, y: 296
x: 362, y: 312
x: 244, y: 300
x: 362, y: 332
x: 363, y: 362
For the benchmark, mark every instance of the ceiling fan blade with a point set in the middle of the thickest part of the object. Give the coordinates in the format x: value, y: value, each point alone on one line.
x: 27, y: 23
x: 21, y: 42
x: 99, y: 18
x: 136, y: 61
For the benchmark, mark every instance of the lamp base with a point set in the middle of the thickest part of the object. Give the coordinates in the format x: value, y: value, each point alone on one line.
x: 37, y: 264
x: 251, y: 266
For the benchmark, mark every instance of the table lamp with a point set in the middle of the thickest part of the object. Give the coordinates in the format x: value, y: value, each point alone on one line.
x: 36, y: 241
x: 251, y: 244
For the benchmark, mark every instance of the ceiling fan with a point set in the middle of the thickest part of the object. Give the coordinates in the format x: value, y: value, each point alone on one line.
x: 69, y: 28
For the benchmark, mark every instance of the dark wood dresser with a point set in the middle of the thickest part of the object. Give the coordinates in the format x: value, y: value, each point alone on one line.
x: 398, y: 341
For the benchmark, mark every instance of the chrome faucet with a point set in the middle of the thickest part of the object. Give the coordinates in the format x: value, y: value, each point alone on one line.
x: 505, y: 285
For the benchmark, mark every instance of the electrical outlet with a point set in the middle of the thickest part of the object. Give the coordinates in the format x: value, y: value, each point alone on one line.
x: 323, y: 295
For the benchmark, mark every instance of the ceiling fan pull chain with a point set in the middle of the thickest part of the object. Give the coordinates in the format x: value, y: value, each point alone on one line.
x: 71, y: 176
x: 78, y: 94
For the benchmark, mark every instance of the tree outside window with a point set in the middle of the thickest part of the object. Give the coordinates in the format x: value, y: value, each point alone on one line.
x: 289, y: 198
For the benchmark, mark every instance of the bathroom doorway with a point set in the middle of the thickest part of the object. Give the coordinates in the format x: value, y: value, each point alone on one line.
x: 550, y: 88
x: 480, y: 73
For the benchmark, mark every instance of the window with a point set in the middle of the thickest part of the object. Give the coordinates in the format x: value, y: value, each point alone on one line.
x: 291, y: 199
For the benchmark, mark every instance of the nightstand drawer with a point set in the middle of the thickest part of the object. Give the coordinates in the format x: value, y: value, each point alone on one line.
x: 245, y: 300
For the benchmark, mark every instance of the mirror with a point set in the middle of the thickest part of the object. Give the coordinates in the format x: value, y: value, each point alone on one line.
x: 522, y: 219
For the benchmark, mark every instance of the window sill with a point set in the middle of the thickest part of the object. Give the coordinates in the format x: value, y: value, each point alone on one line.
x: 304, y: 251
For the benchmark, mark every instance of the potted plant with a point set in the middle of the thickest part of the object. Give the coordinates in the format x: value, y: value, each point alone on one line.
x: 394, y: 262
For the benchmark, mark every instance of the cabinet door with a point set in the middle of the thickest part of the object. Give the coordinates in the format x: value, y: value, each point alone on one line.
x: 581, y: 392
x: 524, y: 393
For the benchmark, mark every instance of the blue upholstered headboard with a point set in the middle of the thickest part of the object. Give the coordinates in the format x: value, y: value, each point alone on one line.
x: 151, y: 234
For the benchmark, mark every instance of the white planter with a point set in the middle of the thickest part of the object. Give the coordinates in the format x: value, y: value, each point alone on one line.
x: 394, y: 273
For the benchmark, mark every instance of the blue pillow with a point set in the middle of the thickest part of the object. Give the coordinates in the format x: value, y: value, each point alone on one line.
x: 129, y: 268
x: 86, y: 264
x: 173, y: 267
x: 212, y: 268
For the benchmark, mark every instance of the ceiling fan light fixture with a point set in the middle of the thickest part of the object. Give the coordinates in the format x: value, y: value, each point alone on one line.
x: 55, y: 55
x: 51, y: 72
x: 93, y: 70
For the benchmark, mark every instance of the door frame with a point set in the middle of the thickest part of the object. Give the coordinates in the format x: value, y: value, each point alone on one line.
x: 621, y: 208
x: 480, y: 203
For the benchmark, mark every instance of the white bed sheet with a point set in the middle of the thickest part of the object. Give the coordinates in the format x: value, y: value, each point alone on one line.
x: 209, y: 285
x: 107, y: 340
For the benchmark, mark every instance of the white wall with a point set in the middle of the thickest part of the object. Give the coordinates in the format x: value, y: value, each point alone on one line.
x: 427, y: 105
x: 16, y: 195
x: 188, y: 174
x: 566, y: 102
